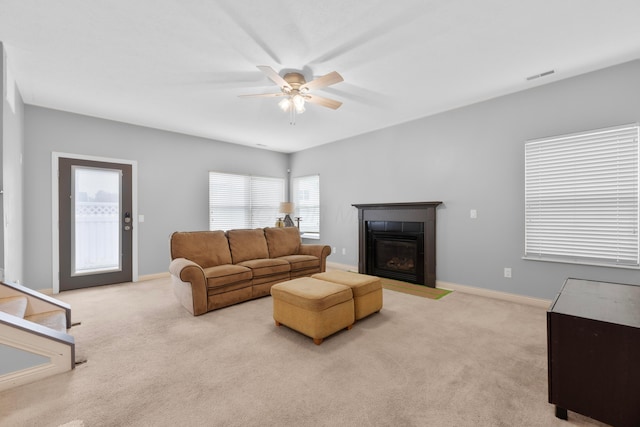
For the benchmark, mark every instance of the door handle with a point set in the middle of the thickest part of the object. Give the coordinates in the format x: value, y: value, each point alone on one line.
x: 127, y: 221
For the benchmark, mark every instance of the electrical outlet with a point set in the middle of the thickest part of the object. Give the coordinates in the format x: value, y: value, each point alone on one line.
x: 344, y: 251
x: 473, y: 214
x: 335, y: 251
x: 507, y: 272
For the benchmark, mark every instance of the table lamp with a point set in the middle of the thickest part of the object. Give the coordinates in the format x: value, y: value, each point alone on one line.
x: 287, y: 208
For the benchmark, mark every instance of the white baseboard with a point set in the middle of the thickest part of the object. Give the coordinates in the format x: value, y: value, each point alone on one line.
x: 29, y: 375
x: 505, y: 296
x: 49, y: 291
x: 154, y: 276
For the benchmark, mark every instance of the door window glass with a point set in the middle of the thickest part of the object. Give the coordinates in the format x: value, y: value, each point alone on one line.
x: 96, y: 226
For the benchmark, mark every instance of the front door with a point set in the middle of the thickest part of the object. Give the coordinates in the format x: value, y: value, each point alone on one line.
x: 95, y: 230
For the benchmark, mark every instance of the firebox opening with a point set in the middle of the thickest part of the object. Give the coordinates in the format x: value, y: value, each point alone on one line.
x: 396, y: 255
x: 396, y: 250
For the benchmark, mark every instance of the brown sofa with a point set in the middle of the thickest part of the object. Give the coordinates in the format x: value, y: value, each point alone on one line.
x: 215, y: 269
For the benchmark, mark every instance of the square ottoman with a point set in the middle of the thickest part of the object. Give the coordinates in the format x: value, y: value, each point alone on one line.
x: 367, y: 290
x: 313, y: 307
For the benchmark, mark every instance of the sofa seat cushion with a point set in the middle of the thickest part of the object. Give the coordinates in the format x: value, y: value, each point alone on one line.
x: 282, y: 241
x: 223, y: 278
x: 267, y: 266
x: 247, y: 244
x: 302, y: 262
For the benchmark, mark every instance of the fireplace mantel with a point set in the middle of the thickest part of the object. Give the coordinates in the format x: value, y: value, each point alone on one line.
x: 420, y: 212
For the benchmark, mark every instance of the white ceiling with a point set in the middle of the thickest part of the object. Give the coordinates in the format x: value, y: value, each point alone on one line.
x: 180, y: 65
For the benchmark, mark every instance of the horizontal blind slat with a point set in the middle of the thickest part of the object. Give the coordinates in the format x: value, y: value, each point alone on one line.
x: 243, y: 201
x: 306, y: 198
x: 581, y: 196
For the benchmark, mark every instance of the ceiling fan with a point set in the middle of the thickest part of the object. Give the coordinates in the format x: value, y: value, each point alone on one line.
x: 295, y: 89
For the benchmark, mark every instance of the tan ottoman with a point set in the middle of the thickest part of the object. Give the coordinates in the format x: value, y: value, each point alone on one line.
x: 367, y: 290
x: 313, y: 307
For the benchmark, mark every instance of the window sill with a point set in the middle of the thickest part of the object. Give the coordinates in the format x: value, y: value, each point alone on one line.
x: 578, y: 262
x: 312, y: 236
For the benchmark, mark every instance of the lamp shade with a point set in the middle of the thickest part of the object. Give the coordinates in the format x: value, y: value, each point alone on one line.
x: 286, y: 207
x: 285, y: 104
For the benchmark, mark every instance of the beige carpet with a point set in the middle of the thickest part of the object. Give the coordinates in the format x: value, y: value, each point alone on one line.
x: 459, y: 361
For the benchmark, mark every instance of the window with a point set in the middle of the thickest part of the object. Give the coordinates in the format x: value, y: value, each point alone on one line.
x: 306, y: 199
x: 581, y: 198
x: 243, y: 201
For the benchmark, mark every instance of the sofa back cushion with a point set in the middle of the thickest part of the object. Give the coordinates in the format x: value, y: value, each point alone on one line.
x: 282, y: 241
x: 247, y: 244
x: 205, y: 248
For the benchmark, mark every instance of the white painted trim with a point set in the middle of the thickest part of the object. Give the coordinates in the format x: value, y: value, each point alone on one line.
x: 154, y: 276
x: 472, y: 290
x: 142, y: 278
x: 505, y: 296
x: 35, y: 305
x: 26, y: 376
x: 59, y: 355
x: 55, y: 240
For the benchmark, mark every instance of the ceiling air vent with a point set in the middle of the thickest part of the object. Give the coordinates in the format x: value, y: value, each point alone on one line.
x: 537, y: 76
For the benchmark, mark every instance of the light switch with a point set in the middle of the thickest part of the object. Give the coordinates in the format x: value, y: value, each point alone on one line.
x: 140, y: 218
x: 473, y: 214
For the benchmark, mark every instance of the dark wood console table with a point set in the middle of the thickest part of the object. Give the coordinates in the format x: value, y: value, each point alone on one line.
x: 593, y: 333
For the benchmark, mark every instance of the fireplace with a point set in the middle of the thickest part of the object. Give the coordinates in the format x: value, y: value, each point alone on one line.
x: 397, y: 241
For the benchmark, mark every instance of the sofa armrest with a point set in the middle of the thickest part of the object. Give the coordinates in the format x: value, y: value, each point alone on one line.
x: 189, y: 285
x: 320, y: 251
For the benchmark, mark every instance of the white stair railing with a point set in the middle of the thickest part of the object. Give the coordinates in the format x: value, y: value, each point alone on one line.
x: 56, y: 347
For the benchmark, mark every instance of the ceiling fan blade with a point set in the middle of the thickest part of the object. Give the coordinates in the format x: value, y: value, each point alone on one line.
x: 263, y: 95
x: 325, y: 102
x: 324, y: 81
x: 273, y: 76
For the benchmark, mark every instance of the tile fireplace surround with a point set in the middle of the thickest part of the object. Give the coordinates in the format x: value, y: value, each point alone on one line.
x: 410, y: 225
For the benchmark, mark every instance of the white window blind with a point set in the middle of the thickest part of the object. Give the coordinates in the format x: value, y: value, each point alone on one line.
x: 243, y: 201
x: 581, y: 197
x: 306, y: 199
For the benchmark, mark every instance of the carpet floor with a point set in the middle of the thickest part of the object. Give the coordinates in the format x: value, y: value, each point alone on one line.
x: 459, y: 361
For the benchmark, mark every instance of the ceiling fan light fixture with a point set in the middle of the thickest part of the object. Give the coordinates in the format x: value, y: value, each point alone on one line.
x: 294, y: 89
x: 298, y: 103
x: 285, y: 104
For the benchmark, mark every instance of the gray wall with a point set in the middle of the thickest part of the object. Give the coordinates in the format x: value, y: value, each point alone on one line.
x: 12, y: 177
x: 11, y: 204
x: 471, y: 158
x: 172, y: 179
x: 3, y: 60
